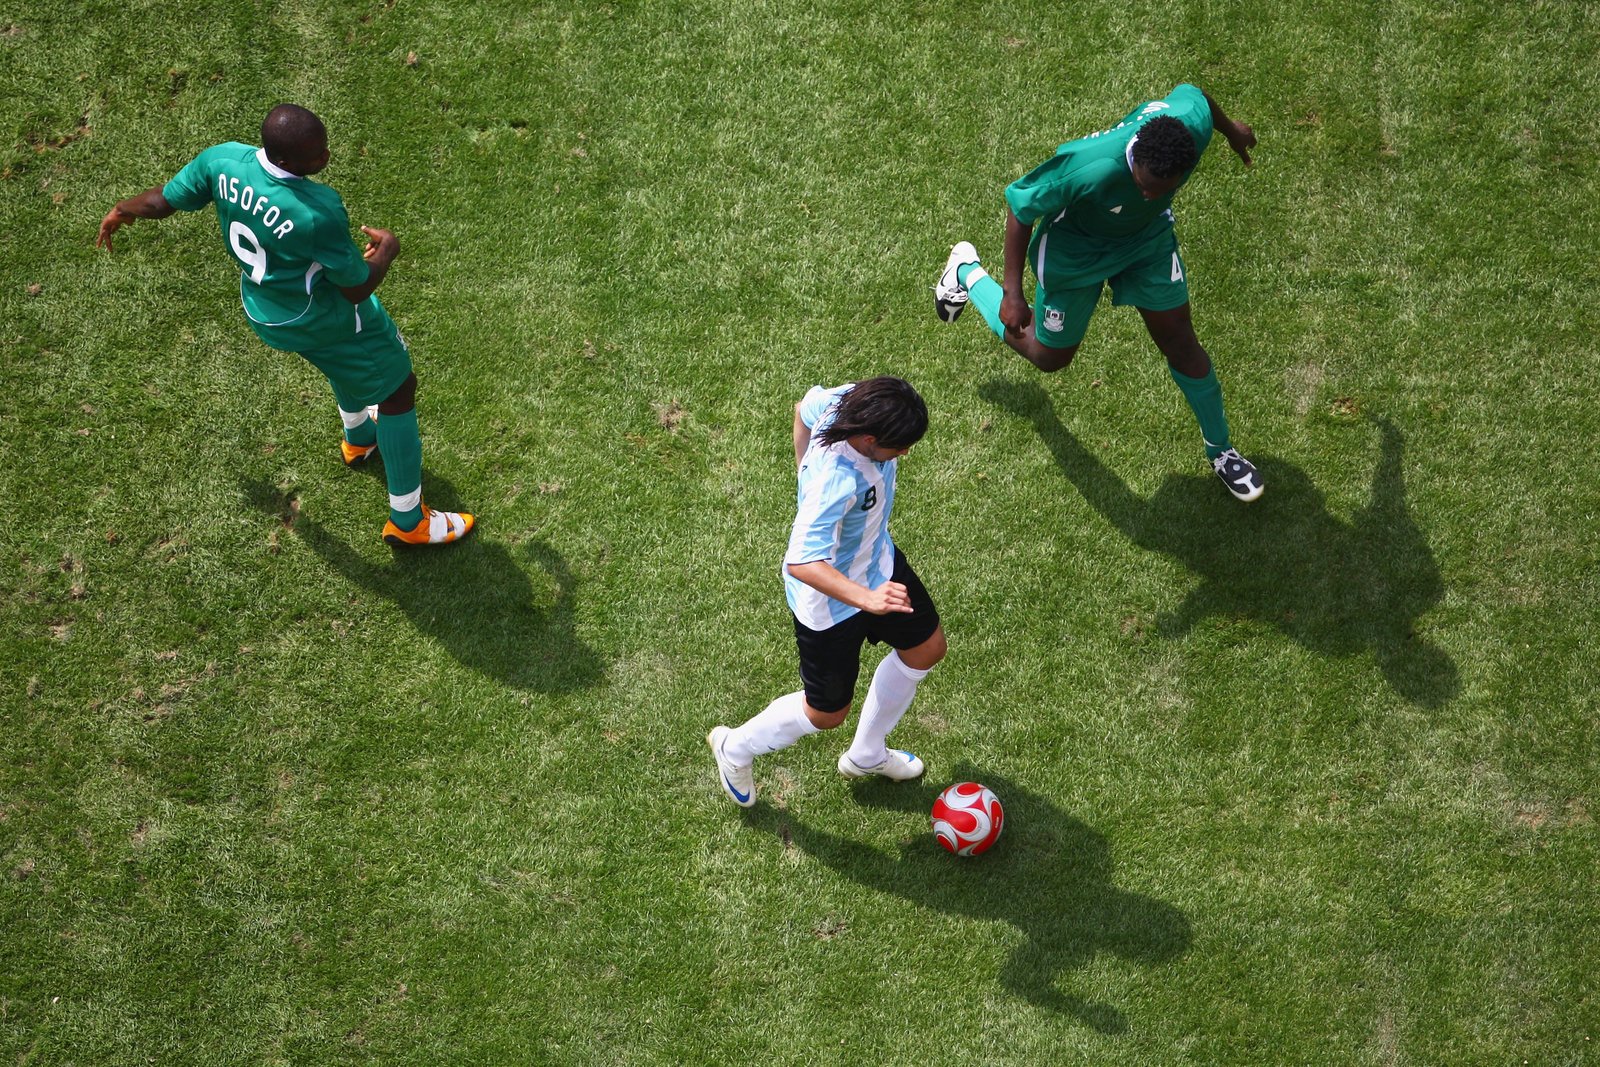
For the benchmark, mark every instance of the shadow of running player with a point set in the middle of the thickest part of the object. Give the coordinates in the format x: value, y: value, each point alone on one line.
x: 473, y: 598
x: 1336, y: 588
x: 1049, y: 876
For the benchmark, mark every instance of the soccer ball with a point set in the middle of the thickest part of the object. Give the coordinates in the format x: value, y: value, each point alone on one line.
x: 967, y: 818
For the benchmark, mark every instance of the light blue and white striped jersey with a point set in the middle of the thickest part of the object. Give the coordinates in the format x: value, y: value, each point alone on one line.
x: 843, y: 516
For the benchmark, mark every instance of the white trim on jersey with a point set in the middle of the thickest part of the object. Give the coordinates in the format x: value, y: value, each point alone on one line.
x: 275, y: 170
x: 311, y: 275
x: 258, y: 322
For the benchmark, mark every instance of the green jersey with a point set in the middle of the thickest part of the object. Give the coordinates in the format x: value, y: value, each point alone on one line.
x: 291, y: 238
x: 1089, y: 218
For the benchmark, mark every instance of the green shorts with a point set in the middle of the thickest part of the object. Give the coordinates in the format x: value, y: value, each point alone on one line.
x: 368, y: 364
x: 1154, y: 282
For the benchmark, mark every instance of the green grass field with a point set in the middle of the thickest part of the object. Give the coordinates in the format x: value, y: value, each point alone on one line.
x: 1307, y: 782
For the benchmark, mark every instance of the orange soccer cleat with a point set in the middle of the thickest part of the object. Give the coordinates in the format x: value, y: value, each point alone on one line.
x: 436, y: 528
x: 356, y: 454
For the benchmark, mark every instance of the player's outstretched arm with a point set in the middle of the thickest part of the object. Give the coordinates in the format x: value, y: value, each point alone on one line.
x: 149, y: 204
x: 1014, y: 310
x: 382, y: 247
x: 822, y: 576
x: 1241, y: 138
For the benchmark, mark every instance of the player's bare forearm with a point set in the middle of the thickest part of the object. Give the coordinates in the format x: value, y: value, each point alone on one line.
x: 1240, y: 138
x: 357, y: 293
x: 150, y: 204
x: 802, y: 436
x: 1014, y: 310
x: 382, y: 248
x: 1018, y: 233
x: 826, y: 579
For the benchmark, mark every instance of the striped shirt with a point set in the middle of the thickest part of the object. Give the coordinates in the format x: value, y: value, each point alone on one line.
x: 843, y: 516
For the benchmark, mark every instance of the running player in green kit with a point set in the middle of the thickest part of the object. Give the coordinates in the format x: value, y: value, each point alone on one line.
x: 307, y: 288
x: 1100, y: 210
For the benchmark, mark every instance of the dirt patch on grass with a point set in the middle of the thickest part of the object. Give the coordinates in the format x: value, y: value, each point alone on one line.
x: 44, y: 142
x: 829, y: 927
x: 671, y: 415
x: 1534, y: 816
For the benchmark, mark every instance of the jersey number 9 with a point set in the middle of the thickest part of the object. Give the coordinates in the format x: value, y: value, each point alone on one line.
x: 243, y: 241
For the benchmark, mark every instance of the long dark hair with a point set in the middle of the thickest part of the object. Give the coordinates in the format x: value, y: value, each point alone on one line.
x: 886, y: 408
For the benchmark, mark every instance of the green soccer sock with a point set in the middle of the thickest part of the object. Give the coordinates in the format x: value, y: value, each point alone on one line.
x: 985, y: 293
x: 401, y: 446
x: 1205, y: 399
x: 363, y: 433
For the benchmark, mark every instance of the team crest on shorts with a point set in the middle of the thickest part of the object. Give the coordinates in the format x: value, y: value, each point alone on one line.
x: 1054, y: 320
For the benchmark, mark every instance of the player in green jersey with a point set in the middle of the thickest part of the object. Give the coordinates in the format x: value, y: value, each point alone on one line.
x: 1098, y: 211
x: 306, y: 287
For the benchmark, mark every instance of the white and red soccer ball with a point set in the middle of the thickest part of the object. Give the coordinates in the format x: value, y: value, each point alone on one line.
x: 967, y: 818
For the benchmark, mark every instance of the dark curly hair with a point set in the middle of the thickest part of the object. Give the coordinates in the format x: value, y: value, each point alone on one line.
x: 1165, y: 148
x: 886, y: 408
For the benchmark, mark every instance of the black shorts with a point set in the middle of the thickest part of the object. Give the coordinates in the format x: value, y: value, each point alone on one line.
x: 830, y: 660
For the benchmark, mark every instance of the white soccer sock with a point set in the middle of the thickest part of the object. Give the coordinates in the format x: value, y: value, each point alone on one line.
x: 352, y: 419
x: 404, y: 502
x: 779, y: 725
x: 893, y: 686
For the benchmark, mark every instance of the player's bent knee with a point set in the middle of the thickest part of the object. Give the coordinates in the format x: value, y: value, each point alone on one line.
x: 402, y: 399
x: 925, y: 656
x: 1050, y: 359
x: 827, y: 720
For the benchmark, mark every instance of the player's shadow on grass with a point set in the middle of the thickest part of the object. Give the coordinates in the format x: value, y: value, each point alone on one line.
x: 1049, y: 876
x: 1337, y: 588
x: 473, y: 598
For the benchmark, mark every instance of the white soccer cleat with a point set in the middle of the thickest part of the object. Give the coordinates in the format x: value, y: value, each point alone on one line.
x: 1239, y: 475
x: 899, y: 765
x: 949, y: 295
x: 736, y: 781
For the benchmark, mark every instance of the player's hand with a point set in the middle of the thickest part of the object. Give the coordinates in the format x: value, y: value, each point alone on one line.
x: 382, y: 245
x: 888, y: 597
x: 1241, y: 139
x: 1015, y: 313
x: 109, y: 225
